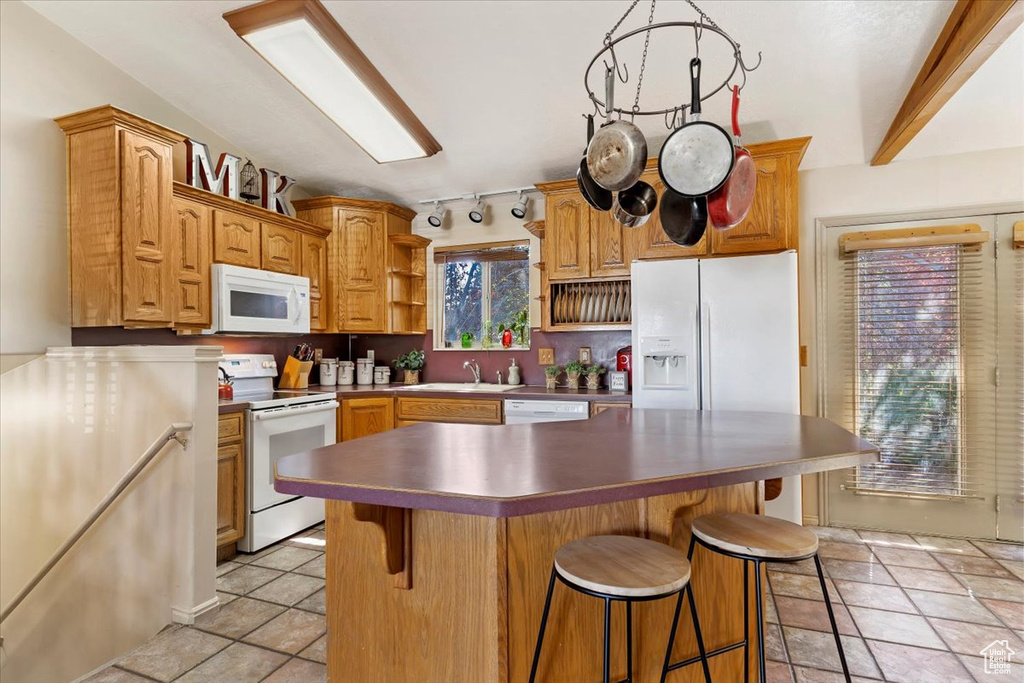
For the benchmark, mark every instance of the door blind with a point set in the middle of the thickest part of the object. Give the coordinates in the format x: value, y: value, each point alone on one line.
x: 920, y: 338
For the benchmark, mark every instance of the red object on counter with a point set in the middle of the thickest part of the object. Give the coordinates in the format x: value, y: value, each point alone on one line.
x: 506, y: 338
x: 225, y: 391
x: 624, y: 361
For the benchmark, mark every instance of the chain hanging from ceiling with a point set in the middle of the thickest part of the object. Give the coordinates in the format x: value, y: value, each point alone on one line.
x: 675, y: 113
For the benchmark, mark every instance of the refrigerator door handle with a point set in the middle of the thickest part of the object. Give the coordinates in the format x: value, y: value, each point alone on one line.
x: 705, y: 356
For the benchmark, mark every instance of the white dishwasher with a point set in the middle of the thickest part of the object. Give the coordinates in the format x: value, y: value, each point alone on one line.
x: 525, y: 412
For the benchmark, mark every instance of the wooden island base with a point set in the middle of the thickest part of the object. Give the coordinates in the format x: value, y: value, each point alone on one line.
x: 419, y: 596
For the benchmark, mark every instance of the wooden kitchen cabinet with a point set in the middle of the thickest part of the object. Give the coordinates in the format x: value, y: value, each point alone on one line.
x: 360, y: 274
x: 236, y: 239
x: 358, y: 417
x: 230, y: 481
x: 463, y: 410
x: 281, y: 249
x: 314, y: 266
x: 567, y: 234
x: 598, y: 407
x: 650, y: 240
x: 193, y: 235
x: 611, y: 246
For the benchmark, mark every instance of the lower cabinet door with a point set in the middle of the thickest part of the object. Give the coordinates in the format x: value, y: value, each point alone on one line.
x: 230, y: 493
x: 366, y: 416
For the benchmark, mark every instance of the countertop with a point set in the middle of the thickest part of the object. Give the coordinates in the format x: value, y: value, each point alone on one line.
x: 397, y: 389
x: 512, y: 470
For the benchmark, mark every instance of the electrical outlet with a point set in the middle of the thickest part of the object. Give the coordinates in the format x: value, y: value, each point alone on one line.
x: 317, y: 355
x: 546, y: 356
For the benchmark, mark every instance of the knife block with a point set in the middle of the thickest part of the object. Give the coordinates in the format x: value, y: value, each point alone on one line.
x: 295, y: 374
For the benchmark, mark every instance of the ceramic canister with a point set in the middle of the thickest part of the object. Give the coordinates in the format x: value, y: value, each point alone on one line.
x: 329, y: 372
x: 364, y: 371
x: 382, y: 375
x: 346, y: 373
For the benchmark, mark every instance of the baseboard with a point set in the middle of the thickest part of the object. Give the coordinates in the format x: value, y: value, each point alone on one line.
x: 811, y: 520
x: 188, y: 617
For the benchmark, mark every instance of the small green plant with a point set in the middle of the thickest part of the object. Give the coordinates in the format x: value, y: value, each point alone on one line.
x: 487, y: 337
x: 413, y: 360
x: 520, y: 325
x: 553, y: 370
x: 574, y: 368
x: 595, y: 370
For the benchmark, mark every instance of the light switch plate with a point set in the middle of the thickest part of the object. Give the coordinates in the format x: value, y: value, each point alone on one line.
x: 585, y: 355
x: 318, y: 354
x: 546, y: 356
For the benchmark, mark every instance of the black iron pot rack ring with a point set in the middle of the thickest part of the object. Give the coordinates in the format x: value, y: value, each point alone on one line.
x: 609, y: 47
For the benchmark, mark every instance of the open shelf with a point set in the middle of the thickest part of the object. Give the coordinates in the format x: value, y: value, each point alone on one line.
x: 602, y: 303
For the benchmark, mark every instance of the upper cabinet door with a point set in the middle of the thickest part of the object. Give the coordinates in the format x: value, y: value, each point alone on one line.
x: 314, y: 266
x: 767, y: 226
x: 147, y: 248
x: 236, y: 239
x: 192, y: 234
x: 650, y: 238
x: 361, y: 297
x: 567, y: 236
x: 610, y: 243
x: 281, y: 249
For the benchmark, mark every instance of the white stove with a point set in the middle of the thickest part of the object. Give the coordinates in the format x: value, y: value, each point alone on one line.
x: 278, y: 423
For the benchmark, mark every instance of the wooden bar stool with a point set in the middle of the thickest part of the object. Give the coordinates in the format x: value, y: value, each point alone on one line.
x: 623, y: 569
x: 757, y: 539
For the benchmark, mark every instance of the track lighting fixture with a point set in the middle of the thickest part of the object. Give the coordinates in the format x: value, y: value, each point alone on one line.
x: 520, y: 207
x: 476, y: 214
x: 436, y: 217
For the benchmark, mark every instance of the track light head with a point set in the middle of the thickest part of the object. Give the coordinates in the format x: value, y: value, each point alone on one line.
x: 476, y: 214
x: 520, y: 207
x: 436, y: 217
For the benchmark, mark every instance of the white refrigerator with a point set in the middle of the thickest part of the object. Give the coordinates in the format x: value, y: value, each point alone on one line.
x: 720, y: 334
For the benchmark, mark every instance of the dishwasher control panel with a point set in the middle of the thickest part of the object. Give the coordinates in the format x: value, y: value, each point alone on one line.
x: 525, y: 412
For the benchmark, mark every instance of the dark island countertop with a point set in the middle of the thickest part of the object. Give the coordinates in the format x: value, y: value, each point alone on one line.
x: 513, y: 470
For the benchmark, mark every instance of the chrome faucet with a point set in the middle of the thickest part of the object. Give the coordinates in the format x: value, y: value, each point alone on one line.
x: 499, y: 377
x: 471, y: 364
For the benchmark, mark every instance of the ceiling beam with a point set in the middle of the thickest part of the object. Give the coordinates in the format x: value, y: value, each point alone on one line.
x: 974, y: 30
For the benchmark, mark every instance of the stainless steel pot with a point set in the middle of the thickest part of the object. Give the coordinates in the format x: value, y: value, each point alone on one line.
x: 634, y: 206
x: 617, y: 154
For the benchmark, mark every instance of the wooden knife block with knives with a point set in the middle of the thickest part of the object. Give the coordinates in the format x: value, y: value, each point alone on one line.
x: 297, y: 368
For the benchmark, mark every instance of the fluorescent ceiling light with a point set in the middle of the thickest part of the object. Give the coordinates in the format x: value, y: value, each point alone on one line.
x: 304, y: 44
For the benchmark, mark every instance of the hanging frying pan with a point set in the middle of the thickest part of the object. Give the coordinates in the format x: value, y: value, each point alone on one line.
x: 698, y: 157
x: 683, y: 219
x: 595, y: 195
x: 729, y: 204
x: 617, y: 154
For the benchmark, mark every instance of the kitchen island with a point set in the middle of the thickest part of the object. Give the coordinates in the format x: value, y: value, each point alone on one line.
x: 440, y: 537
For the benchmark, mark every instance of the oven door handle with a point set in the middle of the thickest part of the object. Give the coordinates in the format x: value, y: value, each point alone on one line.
x: 275, y: 413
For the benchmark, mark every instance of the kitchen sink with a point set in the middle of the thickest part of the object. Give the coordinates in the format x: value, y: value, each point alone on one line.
x: 460, y: 386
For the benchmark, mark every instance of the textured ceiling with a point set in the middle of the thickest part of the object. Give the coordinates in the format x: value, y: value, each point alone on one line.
x: 499, y: 84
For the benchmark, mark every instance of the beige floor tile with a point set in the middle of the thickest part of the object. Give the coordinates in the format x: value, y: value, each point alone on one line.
x: 114, y: 675
x: 290, y: 632
x: 991, y: 587
x: 225, y: 567
x: 982, y: 566
x: 288, y: 589
x: 225, y: 598
x: 1014, y: 567
x: 317, y: 651
x: 776, y: 672
x: 800, y: 586
x: 317, y: 602
x: 952, y: 546
x: 805, y: 567
x: 811, y: 614
x: 317, y: 567
x: 287, y: 558
x: 901, y: 557
x: 817, y: 650
x: 887, y: 539
x: 312, y: 540
x: 172, y: 653
x: 844, y: 551
x: 907, y: 664
x: 970, y: 639
x: 896, y: 627
x: 948, y: 606
x: 1011, y: 613
x: 836, y: 534
x: 238, y: 617
x: 245, y: 579
x: 927, y: 580
x: 773, y: 647
x: 976, y: 665
x: 299, y: 671
x: 1002, y: 551
x: 805, y: 675
x: 879, y: 597
x: 771, y: 615
x: 246, y: 558
x: 239, y: 663
x: 865, y: 572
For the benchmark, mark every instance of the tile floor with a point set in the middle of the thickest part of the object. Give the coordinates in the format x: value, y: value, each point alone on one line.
x: 910, y: 609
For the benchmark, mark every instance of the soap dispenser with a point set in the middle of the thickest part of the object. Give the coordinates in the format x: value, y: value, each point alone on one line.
x: 513, y: 373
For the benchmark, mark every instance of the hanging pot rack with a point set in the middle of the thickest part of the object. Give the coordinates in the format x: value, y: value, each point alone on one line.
x: 698, y: 27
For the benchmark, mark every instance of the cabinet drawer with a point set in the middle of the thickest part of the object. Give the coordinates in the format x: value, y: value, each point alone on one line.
x: 475, y: 411
x: 230, y: 426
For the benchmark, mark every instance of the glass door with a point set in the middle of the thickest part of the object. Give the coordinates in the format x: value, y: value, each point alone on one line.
x: 1010, y: 378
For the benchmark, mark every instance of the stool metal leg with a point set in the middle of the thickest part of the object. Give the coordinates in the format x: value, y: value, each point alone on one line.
x: 629, y: 641
x: 746, y: 622
x: 607, y: 639
x: 543, y: 625
x: 700, y: 638
x: 832, y: 618
x: 760, y: 624
x: 672, y: 634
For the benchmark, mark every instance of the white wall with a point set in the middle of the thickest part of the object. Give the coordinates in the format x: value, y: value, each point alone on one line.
x: 979, y: 180
x: 498, y: 226
x: 45, y: 73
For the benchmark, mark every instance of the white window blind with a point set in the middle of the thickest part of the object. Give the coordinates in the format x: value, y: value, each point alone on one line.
x: 921, y: 339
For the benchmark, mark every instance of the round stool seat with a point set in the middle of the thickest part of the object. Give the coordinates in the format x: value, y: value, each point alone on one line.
x: 755, y: 536
x: 623, y: 566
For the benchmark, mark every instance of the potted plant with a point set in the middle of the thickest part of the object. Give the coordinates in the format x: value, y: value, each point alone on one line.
x: 573, y: 370
x: 412, y: 363
x: 520, y: 326
x: 551, y: 374
x: 467, y: 340
x: 487, y: 339
x: 594, y: 373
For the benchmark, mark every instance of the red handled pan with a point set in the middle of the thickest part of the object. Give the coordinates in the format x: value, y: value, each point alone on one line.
x: 729, y: 204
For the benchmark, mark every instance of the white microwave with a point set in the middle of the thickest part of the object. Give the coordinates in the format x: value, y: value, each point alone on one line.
x: 251, y: 300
